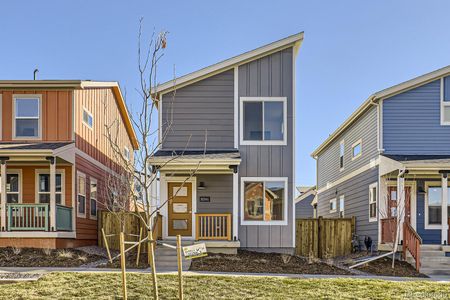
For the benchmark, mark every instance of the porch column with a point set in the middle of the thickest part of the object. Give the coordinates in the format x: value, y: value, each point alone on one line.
x: 3, y: 194
x: 444, y: 230
x: 401, y: 201
x: 52, y: 193
x: 235, y: 205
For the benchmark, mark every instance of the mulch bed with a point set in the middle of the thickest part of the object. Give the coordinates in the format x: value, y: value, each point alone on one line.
x: 32, y: 257
x: 256, y: 262
x: 383, y: 267
x: 130, y: 261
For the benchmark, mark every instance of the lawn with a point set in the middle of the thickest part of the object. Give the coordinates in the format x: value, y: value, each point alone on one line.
x: 107, y: 286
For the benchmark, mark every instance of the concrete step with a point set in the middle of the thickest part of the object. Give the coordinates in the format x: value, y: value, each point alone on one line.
x: 430, y: 247
x: 435, y: 271
x: 439, y: 259
x: 428, y: 253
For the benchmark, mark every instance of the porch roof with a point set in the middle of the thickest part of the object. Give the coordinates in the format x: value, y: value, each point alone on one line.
x: 16, y: 151
x: 31, y: 146
x: 423, y: 162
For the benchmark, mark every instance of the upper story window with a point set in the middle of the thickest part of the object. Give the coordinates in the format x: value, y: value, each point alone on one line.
x: 357, y: 149
x: 445, y: 101
x: 341, y: 155
x: 88, y: 119
x: 27, y: 113
x: 263, y: 120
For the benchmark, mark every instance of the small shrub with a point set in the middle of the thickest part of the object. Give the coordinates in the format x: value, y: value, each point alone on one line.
x: 47, y: 251
x: 82, y: 258
x: 16, y: 250
x: 65, y: 254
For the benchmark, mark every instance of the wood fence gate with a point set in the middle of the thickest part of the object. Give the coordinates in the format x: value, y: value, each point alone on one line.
x: 324, y: 238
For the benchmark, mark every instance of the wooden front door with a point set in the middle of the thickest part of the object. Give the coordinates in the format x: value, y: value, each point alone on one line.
x: 180, y: 208
x: 392, y: 203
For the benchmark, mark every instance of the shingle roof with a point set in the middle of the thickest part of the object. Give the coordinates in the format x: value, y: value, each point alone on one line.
x: 420, y: 159
x: 31, y: 146
x: 198, y: 154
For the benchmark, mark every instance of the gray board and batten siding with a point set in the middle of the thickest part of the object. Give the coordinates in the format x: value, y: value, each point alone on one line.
x: 219, y: 189
x: 270, y: 76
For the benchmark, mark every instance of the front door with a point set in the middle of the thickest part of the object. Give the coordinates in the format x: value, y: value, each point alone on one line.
x: 392, y: 203
x: 180, y: 208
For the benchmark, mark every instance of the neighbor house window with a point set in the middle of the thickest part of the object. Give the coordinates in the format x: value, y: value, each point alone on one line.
x: 126, y: 153
x: 12, y: 188
x: 27, y: 116
x: 373, y: 196
x: 88, y: 119
x: 445, y: 101
x: 341, y: 206
x: 333, y: 205
x: 43, y: 189
x: 264, y: 200
x: 93, y: 197
x: 341, y: 155
x: 263, y: 120
x: 356, y: 150
x: 81, y: 197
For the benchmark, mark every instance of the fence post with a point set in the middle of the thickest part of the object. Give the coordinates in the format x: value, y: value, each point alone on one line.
x: 122, y: 264
x: 353, y: 224
x: 319, y: 237
x: 180, y: 268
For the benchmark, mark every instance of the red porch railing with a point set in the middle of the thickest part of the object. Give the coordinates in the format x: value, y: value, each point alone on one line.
x: 388, y: 229
x: 411, y: 242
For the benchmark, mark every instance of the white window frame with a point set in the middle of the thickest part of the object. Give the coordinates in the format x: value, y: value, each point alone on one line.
x: 263, y: 99
x: 358, y: 142
x: 341, y: 206
x: 371, y: 201
x: 19, y: 173
x: 126, y: 151
x: 26, y: 96
x: 334, y: 202
x: 93, y: 180
x: 342, y: 155
x: 443, y: 103
x: 85, y: 110
x: 63, y: 185
x: 80, y: 174
x: 285, y: 204
x: 429, y: 184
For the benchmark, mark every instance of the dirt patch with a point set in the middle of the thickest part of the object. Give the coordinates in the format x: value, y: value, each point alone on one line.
x: 32, y: 257
x: 130, y: 261
x: 255, y: 262
x: 383, y: 267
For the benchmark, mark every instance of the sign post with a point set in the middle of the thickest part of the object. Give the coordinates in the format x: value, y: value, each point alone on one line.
x: 180, y: 268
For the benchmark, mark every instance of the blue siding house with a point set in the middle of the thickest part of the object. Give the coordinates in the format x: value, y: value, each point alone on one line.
x: 387, y: 165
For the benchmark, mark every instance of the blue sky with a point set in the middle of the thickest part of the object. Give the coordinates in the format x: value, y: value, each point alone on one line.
x: 351, y: 48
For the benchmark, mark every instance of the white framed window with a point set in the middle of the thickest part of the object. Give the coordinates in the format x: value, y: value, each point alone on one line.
x: 81, y: 195
x: 43, y: 186
x: 88, y: 119
x: 27, y: 116
x: 341, y: 155
x: 373, y: 202
x: 341, y: 206
x: 13, y: 186
x: 126, y: 153
x: 433, y: 205
x: 445, y: 101
x: 93, y: 198
x: 264, y: 200
x: 357, y: 149
x: 333, y: 205
x: 263, y: 120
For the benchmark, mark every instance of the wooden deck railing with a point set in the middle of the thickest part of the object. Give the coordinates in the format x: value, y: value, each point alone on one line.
x: 213, y: 226
x: 388, y: 230
x: 28, y: 217
x: 411, y: 242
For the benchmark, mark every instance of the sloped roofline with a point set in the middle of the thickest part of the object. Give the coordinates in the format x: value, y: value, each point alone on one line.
x: 388, y: 92
x: 79, y: 84
x: 293, y: 40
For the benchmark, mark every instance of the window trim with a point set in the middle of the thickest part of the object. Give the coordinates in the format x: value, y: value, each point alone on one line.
x: 342, y: 208
x: 429, y: 184
x: 282, y: 142
x: 19, y: 173
x: 283, y: 222
x: 371, y: 187
x: 443, y: 103
x: 126, y: 149
x: 92, y: 217
x: 358, y: 142
x: 26, y: 96
x: 63, y: 185
x: 89, y: 114
x: 342, y: 155
x: 80, y: 215
x: 333, y: 200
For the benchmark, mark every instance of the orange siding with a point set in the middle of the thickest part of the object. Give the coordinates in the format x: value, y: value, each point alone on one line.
x: 56, y: 114
x: 43, y: 243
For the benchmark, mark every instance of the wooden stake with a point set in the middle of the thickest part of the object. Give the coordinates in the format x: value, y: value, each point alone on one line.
x: 106, y: 245
x: 151, y: 258
x: 180, y: 268
x: 122, y: 265
x: 139, y: 248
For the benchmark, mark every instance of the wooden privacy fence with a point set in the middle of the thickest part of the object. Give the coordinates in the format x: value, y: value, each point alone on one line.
x: 111, y: 225
x: 324, y: 238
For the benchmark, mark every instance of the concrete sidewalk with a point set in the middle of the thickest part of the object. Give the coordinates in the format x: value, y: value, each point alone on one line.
x: 204, y: 273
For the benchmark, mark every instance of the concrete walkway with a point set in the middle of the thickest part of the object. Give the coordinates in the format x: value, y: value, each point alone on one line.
x: 204, y: 273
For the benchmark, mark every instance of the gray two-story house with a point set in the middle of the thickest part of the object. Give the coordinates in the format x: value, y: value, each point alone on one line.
x: 387, y: 164
x: 226, y: 155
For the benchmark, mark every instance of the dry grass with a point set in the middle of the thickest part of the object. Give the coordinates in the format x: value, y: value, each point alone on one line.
x: 16, y: 250
x: 82, y: 258
x: 47, y: 251
x: 65, y: 253
x: 107, y: 286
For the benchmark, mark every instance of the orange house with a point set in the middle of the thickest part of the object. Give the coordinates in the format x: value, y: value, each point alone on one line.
x: 55, y: 158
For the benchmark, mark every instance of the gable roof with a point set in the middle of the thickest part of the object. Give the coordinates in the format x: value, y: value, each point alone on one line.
x: 79, y: 84
x: 290, y: 41
x: 388, y: 92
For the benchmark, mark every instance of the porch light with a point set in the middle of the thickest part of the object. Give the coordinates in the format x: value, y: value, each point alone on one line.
x: 201, y: 186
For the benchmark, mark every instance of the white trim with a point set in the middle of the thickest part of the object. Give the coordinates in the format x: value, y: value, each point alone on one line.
x: 164, y: 181
x: 304, y: 196
x: 443, y: 103
x: 341, y: 208
x: 342, y: 144
x: 371, y: 187
x: 332, y: 210
x: 38, y: 172
x: 74, y: 199
x: 1, y: 114
x: 358, y: 142
x: 285, y: 204
x: 236, y: 107
x: 294, y: 78
x: 81, y: 174
x: 89, y: 115
x: 444, y: 210
x: 160, y: 108
x: 282, y: 142
x: 20, y: 192
x: 26, y: 96
x: 236, y: 206
x: 380, y: 127
x: 126, y: 153
x: 413, y: 205
x: 91, y: 181
x: 428, y: 184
